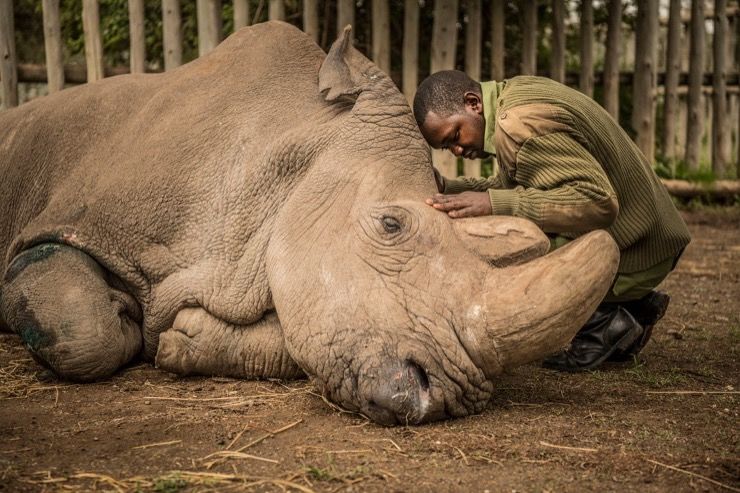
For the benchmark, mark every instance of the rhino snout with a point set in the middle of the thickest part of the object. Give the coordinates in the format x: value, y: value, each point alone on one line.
x: 398, y: 394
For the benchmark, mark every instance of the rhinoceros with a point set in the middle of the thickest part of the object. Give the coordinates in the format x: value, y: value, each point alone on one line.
x: 259, y: 213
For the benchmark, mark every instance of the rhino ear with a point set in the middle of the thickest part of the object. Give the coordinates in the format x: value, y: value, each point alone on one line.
x: 502, y: 240
x: 345, y: 71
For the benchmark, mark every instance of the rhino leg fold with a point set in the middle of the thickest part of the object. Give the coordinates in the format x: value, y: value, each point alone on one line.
x: 200, y: 344
x: 60, y: 302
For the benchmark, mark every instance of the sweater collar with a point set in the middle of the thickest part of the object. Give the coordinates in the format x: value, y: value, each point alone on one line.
x: 491, y: 91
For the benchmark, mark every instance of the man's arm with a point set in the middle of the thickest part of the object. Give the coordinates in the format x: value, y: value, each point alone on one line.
x: 465, y: 184
x: 561, y: 188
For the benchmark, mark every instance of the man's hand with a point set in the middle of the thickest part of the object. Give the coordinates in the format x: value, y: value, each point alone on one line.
x: 466, y: 204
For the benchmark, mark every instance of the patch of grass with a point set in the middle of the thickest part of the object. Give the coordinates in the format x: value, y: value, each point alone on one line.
x: 169, y: 484
x: 734, y: 331
x: 642, y: 375
x: 331, y: 473
x: 319, y: 474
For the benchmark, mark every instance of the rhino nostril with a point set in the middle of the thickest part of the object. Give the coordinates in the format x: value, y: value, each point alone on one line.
x: 419, y: 374
x: 400, y: 393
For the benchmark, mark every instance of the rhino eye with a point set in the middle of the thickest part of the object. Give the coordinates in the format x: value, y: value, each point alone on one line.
x: 390, y: 224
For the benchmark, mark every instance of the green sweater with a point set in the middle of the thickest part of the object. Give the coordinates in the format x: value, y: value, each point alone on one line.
x: 565, y: 164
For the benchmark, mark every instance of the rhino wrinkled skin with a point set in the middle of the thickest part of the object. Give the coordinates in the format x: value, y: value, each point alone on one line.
x: 259, y: 212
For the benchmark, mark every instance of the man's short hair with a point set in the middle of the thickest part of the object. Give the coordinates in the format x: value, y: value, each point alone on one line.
x: 443, y: 93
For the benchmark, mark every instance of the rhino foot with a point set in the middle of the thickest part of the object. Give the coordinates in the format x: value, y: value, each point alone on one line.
x: 59, y: 301
x: 200, y: 344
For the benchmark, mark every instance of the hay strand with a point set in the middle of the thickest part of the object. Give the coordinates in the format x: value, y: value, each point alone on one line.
x: 565, y: 447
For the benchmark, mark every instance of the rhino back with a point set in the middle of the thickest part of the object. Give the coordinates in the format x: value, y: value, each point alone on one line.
x: 150, y: 173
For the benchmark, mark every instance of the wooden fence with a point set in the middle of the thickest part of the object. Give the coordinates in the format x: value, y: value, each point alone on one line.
x: 683, y: 86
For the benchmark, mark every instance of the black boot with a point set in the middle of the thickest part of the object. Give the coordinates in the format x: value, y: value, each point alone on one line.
x: 609, y: 329
x: 647, y: 311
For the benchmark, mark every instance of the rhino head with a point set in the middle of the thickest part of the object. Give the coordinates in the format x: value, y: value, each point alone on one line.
x: 391, y: 307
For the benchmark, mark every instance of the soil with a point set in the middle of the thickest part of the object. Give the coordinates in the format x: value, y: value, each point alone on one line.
x: 668, y: 422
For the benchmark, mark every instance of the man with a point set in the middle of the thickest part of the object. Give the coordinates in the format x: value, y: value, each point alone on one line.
x: 566, y: 165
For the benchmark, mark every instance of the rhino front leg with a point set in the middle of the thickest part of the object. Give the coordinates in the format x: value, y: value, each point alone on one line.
x: 59, y: 301
x: 200, y: 344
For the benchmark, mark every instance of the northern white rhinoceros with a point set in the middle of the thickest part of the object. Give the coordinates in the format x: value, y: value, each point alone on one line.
x: 259, y: 212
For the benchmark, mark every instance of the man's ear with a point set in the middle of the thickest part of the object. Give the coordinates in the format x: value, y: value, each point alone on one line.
x: 474, y: 102
x: 345, y: 72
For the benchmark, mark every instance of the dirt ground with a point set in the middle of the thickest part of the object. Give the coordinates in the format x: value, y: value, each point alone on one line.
x: 666, y: 423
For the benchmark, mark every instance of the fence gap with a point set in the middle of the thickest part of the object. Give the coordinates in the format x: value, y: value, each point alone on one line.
x: 557, y: 57
x: 529, y: 37
x: 498, y: 70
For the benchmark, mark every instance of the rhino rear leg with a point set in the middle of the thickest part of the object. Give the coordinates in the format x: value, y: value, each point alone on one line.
x: 59, y: 301
x: 200, y: 344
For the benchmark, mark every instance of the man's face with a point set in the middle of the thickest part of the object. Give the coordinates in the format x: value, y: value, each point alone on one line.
x: 461, y: 133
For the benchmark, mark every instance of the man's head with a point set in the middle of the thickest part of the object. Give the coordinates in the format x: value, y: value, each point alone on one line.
x: 449, y: 111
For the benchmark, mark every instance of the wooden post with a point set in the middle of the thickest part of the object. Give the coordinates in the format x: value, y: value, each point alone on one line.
x: 8, y: 69
x: 93, y: 40
x: 346, y: 15
x: 529, y: 37
x: 276, y: 11
x: 736, y: 49
x: 643, y: 100
x: 172, y: 33
x: 209, y: 25
x: 586, y: 75
x: 137, y: 40
x: 695, y: 126
x: 497, y: 40
x: 705, y: 153
x: 672, y: 73
x: 444, y: 35
x: 241, y: 13
x: 410, y: 49
x: 611, y: 59
x: 719, y: 109
x: 557, y: 58
x: 311, y: 18
x: 471, y: 167
x: 473, y: 39
x: 444, y: 40
x: 381, y: 35
x: 53, y: 46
